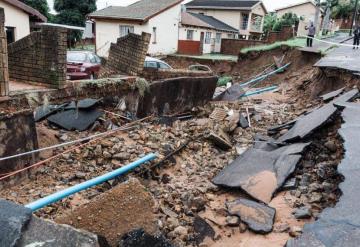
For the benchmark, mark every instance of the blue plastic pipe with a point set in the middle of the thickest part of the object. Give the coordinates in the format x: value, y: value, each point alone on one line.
x: 260, y: 91
x: 260, y: 78
x: 90, y: 183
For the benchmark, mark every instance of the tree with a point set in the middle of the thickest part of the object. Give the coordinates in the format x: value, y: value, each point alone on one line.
x: 73, y: 12
x: 288, y: 19
x: 40, y: 5
x: 269, y: 22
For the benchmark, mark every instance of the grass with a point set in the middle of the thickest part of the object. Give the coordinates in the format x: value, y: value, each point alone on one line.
x: 296, y: 42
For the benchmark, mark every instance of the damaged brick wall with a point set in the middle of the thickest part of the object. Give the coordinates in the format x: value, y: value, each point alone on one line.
x: 176, y: 95
x: 40, y: 57
x: 127, y: 56
x: 4, y: 74
x: 17, y: 135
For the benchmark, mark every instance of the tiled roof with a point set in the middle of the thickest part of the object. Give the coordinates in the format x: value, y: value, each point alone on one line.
x: 222, y: 4
x: 200, y: 20
x: 139, y: 11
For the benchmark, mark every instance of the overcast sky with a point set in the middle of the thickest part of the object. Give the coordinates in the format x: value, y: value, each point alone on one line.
x: 270, y: 4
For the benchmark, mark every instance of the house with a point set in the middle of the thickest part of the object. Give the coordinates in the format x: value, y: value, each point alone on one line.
x: 160, y: 18
x: 19, y: 19
x: 306, y: 10
x: 199, y: 34
x: 245, y: 16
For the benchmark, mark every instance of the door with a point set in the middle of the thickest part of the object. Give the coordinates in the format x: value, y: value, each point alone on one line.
x: 202, y: 35
x: 217, y: 42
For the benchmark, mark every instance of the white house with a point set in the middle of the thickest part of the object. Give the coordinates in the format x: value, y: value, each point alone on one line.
x: 161, y: 18
x: 199, y: 33
x: 19, y: 18
x: 306, y: 10
x: 245, y: 16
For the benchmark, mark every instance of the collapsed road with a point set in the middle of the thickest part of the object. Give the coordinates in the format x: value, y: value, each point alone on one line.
x: 244, y: 170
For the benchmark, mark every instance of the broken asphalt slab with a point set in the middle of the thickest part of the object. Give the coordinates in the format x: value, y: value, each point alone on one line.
x: 231, y: 94
x: 307, y: 124
x: 13, y: 219
x: 340, y: 225
x: 261, y: 173
x: 258, y: 217
x: 139, y: 238
x: 83, y: 104
x: 331, y: 95
x: 75, y: 119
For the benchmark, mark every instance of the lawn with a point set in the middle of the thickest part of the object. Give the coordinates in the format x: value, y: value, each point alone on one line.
x: 297, y: 42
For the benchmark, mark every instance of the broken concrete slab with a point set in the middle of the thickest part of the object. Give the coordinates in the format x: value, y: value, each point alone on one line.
x: 124, y: 208
x: 231, y: 94
x: 221, y: 139
x: 259, y: 217
x: 13, y: 219
x: 332, y: 95
x: 261, y: 173
x: 139, y: 238
x: 47, y: 234
x: 307, y: 124
x: 75, y: 119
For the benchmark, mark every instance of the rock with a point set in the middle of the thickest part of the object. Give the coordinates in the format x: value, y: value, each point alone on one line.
x: 302, y: 213
x: 64, y: 138
x: 122, y: 156
x: 243, y: 122
x: 98, y: 151
x: 233, y: 221
x: 315, y: 197
x: 107, y: 155
x: 258, y: 217
x: 295, y: 231
x: 47, y: 234
x: 202, y: 230
x: 80, y: 175
x: 181, y: 232
x: 13, y: 219
x: 284, y: 131
x: 172, y: 223
x: 139, y: 238
x: 331, y: 145
x: 243, y: 227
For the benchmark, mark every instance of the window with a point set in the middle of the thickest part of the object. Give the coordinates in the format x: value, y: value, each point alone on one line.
x: 218, y: 38
x: 207, y: 37
x: 10, y: 34
x: 151, y: 65
x: 154, y: 35
x: 245, y: 21
x: 125, y: 30
x: 190, y: 34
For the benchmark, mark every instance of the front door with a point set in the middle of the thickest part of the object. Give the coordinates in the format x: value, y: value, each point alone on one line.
x: 202, y: 35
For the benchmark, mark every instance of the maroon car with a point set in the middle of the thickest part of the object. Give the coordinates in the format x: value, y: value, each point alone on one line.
x: 82, y: 65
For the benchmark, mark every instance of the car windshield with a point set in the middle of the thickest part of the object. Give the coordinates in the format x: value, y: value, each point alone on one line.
x: 76, y: 57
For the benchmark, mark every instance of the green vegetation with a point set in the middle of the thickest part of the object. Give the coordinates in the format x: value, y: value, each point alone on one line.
x: 296, y: 42
x: 212, y: 56
x: 224, y: 80
x: 272, y: 23
x: 40, y: 5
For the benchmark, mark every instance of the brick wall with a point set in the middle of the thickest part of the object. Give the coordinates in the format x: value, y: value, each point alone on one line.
x: 4, y: 74
x: 189, y: 47
x: 127, y: 56
x: 233, y: 46
x: 40, y: 57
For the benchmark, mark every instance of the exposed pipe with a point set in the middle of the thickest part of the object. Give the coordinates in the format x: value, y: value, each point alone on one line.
x: 88, y: 184
x: 260, y: 78
x: 260, y: 91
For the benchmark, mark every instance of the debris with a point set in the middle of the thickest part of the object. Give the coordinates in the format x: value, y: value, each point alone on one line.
x: 258, y: 217
x: 260, y: 173
x: 231, y: 94
x: 202, y: 230
x: 302, y: 213
x: 243, y: 122
x: 139, y: 238
x: 75, y: 119
x: 82, y: 104
x: 218, y: 114
x: 115, y: 212
x: 233, y: 221
x: 221, y: 139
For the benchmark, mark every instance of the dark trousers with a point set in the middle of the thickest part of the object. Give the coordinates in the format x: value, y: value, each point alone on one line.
x: 356, y: 41
x: 309, y: 41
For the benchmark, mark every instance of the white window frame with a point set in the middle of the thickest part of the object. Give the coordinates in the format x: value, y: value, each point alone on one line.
x: 218, y: 38
x: 245, y: 21
x: 207, y: 39
x: 190, y: 34
x: 125, y: 30
x: 154, y: 35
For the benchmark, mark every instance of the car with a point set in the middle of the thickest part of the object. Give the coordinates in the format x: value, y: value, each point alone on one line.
x: 154, y: 63
x: 82, y: 65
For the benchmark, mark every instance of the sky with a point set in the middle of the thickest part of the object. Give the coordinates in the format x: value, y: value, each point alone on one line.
x: 270, y: 4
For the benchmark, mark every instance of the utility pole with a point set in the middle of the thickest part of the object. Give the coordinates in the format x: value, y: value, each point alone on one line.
x: 317, y: 15
x: 354, y: 17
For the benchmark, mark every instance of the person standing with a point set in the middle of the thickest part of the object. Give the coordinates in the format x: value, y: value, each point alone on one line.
x: 356, y: 37
x: 311, y: 34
